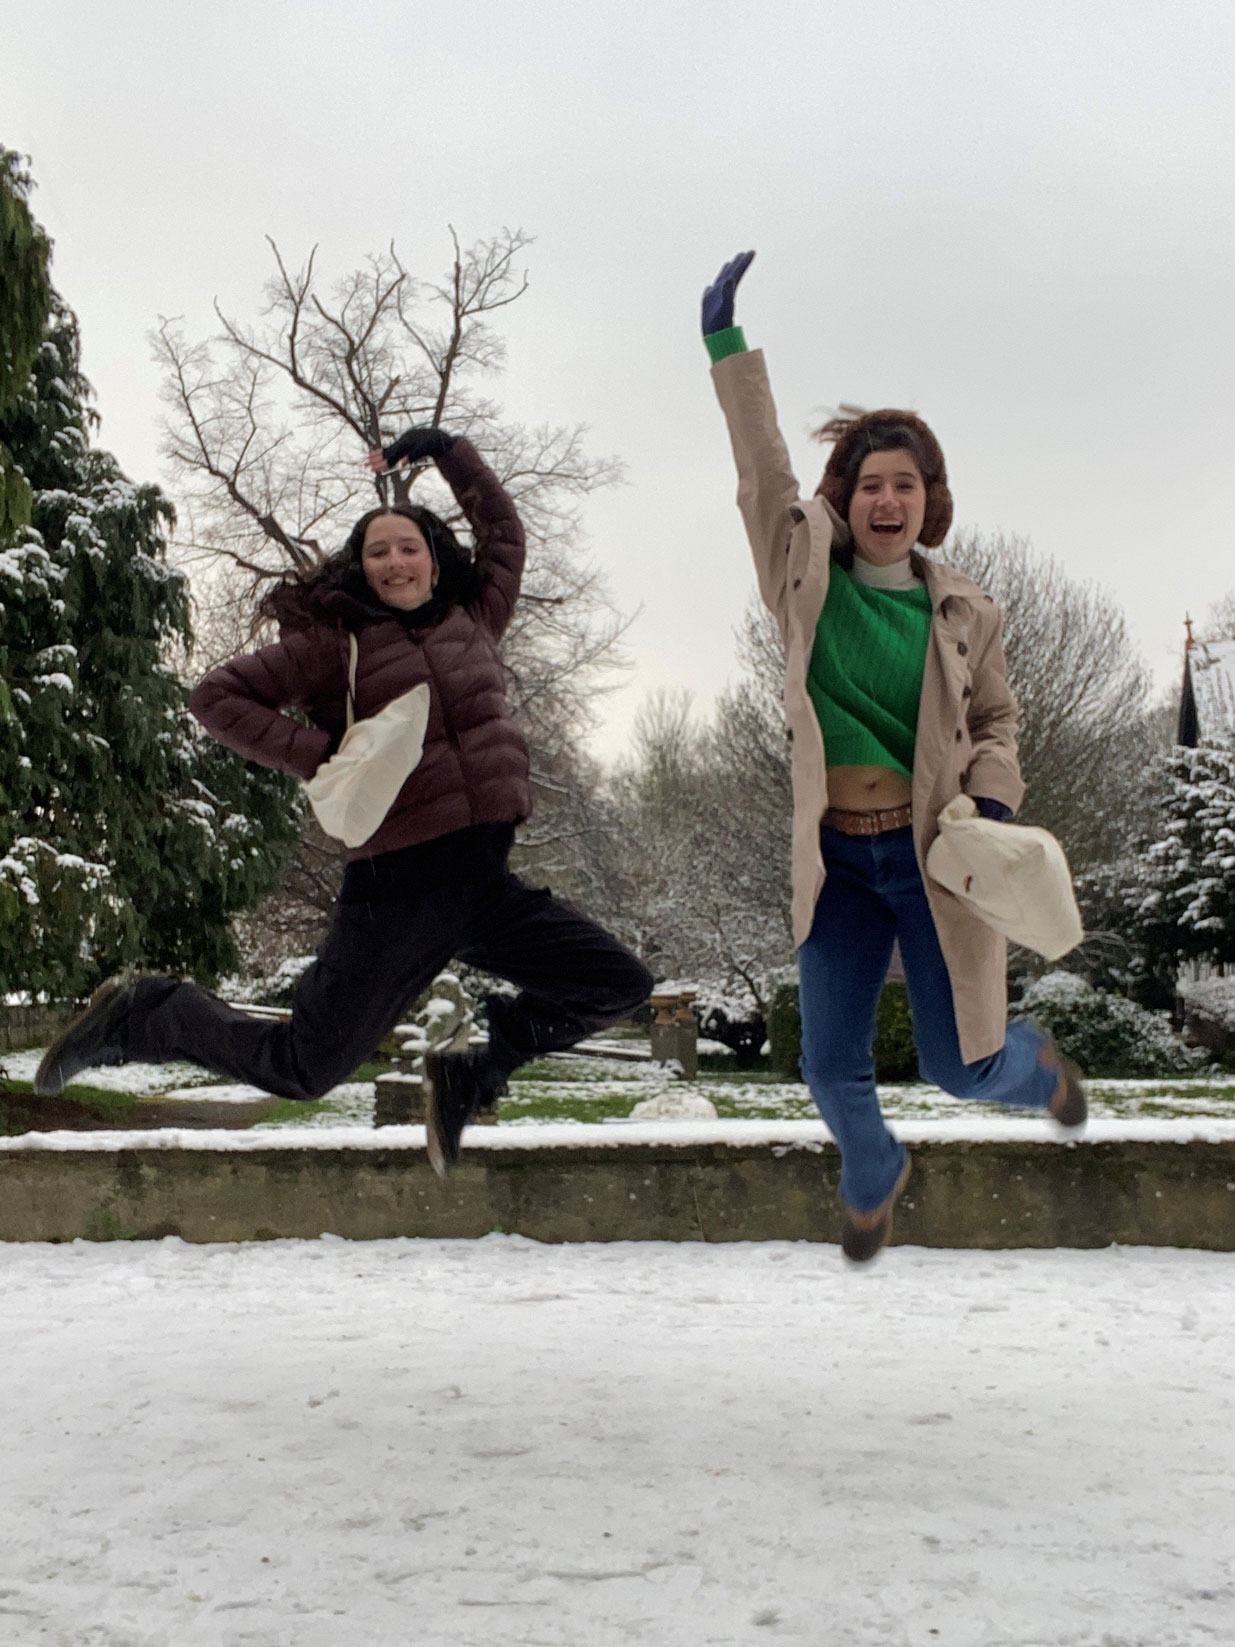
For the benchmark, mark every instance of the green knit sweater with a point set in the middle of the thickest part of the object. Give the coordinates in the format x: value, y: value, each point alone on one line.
x: 866, y: 668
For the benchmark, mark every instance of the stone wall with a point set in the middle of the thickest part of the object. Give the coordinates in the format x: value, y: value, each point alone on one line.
x: 30, y: 1026
x: 987, y: 1194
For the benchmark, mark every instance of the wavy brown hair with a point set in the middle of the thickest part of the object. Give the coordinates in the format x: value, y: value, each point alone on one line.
x: 857, y: 434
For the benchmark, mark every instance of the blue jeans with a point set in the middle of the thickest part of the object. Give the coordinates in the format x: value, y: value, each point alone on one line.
x: 874, y: 894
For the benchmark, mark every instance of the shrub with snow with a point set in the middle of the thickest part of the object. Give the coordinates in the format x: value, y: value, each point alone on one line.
x: 729, y: 1014
x: 270, y: 988
x: 1214, y: 997
x: 1209, y: 1014
x: 1107, y: 1034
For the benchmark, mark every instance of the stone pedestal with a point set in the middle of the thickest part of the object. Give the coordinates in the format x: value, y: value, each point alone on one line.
x: 675, y: 1030
x: 399, y: 1100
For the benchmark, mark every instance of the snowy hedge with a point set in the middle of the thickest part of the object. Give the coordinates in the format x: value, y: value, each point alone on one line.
x: 729, y: 1014
x: 1107, y: 1034
x: 1209, y: 1015
x: 1212, y: 997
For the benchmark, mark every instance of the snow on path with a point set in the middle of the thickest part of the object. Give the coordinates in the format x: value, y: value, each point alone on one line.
x: 475, y: 1444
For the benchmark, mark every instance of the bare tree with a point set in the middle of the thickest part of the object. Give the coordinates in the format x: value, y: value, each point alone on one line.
x: 748, y: 755
x: 1219, y: 621
x: 266, y: 430
x: 268, y: 426
x: 703, y: 839
x: 1089, y: 729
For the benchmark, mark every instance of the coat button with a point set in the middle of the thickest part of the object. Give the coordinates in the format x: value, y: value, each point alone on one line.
x: 959, y: 734
x: 966, y: 691
x: 797, y: 583
x: 789, y: 733
x: 962, y: 648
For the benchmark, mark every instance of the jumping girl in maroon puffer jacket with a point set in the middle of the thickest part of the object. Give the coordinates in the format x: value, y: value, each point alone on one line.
x: 432, y: 883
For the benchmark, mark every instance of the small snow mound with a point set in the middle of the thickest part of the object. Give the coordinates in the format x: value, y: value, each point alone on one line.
x: 674, y: 1106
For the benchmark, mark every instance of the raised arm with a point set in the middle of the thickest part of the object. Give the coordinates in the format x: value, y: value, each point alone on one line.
x: 240, y: 703
x: 489, y: 508
x: 768, y: 492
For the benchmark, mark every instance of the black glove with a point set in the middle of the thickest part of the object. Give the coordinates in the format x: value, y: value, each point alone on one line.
x: 414, y: 445
x: 718, y: 299
x: 995, y: 810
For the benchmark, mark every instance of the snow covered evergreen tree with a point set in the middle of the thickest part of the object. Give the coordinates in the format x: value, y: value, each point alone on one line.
x: 1171, y: 897
x: 1188, y: 906
x: 25, y: 301
x: 127, y: 836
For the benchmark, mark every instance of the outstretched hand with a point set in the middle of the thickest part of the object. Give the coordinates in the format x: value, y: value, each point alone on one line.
x: 719, y: 297
x: 413, y: 446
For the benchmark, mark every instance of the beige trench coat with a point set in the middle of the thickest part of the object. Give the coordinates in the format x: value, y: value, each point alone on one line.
x: 966, y: 735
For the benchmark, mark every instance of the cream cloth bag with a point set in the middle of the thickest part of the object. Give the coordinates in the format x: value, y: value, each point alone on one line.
x: 353, y: 791
x: 1013, y: 877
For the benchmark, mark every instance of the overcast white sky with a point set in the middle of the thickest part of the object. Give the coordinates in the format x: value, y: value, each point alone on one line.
x: 1017, y: 218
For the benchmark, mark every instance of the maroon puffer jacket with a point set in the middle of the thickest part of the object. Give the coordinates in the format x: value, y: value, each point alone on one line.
x: 475, y: 763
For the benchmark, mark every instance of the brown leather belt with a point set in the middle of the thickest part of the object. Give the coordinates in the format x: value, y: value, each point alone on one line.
x: 868, y: 823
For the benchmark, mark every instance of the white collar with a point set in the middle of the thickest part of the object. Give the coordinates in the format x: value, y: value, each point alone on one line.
x: 900, y: 575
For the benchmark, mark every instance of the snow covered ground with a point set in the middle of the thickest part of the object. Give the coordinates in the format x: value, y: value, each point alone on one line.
x: 326, y: 1444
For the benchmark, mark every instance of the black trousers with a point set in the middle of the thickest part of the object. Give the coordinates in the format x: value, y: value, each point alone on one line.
x: 401, y: 918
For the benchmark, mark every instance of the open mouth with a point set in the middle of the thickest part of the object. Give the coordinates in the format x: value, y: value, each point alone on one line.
x: 887, y: 528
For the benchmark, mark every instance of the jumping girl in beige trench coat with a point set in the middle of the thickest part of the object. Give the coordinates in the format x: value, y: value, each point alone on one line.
x: 897, y: 700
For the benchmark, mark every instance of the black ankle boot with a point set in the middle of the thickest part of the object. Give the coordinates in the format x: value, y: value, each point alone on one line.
x: 458, y: 1085
x: 90, y: 1041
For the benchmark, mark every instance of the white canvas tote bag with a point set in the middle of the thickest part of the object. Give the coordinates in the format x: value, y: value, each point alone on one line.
x: 354, y: 790
x: 1013, y: 877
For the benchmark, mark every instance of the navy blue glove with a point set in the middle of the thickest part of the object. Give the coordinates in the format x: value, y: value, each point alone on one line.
x: 994, y: 810
x: 414, y: 445
x: 718, y: 299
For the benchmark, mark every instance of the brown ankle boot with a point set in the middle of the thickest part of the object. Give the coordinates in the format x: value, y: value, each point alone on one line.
x: 864, y: 1234
x: 1068, y: 1107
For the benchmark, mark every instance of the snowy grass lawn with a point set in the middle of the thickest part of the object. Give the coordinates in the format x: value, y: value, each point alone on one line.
x: 583, y: 1089
x: 489, y: 1443
x: 589, y: 1089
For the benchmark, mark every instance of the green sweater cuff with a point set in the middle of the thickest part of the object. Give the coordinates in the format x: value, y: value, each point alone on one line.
x: 732, y: 341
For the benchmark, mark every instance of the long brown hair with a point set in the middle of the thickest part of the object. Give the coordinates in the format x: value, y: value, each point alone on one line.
x: 294, y: 598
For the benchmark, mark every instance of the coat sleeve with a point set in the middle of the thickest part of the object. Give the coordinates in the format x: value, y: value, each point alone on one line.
x: 240, y: 703
x: 767, y: 487
x: 994, y: 768
x: 496, y: 527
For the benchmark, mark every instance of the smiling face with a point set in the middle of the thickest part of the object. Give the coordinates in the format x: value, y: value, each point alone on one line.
x: 397, y: 563
x: 888, y: 506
